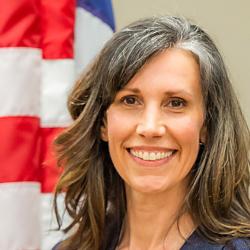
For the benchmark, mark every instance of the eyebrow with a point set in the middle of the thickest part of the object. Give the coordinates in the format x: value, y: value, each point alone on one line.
x: 134, y: 90
x: 167, y: 93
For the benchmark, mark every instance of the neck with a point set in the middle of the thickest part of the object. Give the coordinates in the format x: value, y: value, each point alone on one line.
x: 153, y: 221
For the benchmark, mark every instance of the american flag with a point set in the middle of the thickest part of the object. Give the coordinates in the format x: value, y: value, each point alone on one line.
x: 44, y: 44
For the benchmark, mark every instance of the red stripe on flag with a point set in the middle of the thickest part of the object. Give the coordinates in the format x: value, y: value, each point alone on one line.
x: 50, y: 171
x: 19, y: 149
x: 58, y: 28
x: 19, y: 23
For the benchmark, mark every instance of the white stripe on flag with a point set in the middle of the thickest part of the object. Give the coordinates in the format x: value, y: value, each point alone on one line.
x: 57, y: 79
x: 20, y: 203
x: 49, y: 235
x: 20, y: 71
x: 90, y: 35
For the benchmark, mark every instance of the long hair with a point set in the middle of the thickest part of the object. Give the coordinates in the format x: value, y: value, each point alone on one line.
x: 218, y: 198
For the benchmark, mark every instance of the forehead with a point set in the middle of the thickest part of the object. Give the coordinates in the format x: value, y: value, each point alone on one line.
x: 172, y: 69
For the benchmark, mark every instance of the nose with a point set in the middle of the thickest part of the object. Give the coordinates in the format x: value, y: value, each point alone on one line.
x: 151, y: 124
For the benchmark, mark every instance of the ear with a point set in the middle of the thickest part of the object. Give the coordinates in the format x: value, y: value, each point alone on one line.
x: 104, y: 131
x: 203, y: 135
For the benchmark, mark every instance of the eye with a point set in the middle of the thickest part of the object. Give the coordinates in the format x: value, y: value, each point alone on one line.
x: 176, y: 103
x: 130, y: 100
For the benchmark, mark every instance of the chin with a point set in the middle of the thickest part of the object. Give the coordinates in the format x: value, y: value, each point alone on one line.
x: 150, y: 185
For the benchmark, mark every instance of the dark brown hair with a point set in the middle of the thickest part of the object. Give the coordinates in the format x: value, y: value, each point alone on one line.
x: 218, y: 197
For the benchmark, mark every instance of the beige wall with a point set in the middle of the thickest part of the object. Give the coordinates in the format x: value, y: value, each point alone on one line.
x: 227, y: 22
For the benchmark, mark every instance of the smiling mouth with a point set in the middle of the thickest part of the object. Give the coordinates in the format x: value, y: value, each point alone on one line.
x: 151, y: 156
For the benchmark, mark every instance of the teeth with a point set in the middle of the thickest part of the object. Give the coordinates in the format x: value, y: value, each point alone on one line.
x: 145, y: 156
x: 151, y: 156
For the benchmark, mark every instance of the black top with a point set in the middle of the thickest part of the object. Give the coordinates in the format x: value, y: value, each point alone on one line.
x: 196, y: 242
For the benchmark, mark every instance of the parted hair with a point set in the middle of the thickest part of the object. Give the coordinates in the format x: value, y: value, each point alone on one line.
x: 218, y: 197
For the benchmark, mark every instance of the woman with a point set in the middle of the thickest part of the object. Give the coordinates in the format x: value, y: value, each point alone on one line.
x: 158, y: 154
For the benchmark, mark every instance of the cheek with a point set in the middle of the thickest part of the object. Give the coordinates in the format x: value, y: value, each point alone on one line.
x: 119, y: 125
x: 186, y: 130
x: 187, y: 135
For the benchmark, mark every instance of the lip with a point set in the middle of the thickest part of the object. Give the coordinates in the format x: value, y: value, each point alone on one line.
x: 154, y: 163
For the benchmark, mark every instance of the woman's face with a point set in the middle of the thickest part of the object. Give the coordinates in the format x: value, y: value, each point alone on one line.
x: 154, y: 125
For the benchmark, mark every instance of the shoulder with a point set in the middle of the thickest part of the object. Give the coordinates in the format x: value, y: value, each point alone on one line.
x: 238, y: 244
x: 197, y: 242
x: 56, y: 246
